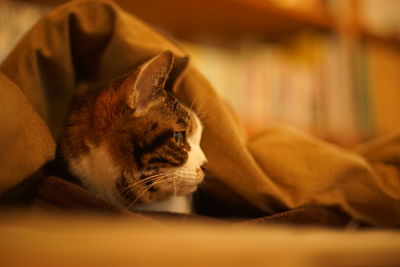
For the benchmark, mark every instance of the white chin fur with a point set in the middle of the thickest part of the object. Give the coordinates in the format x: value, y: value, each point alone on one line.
x: 178, y: 204
x: 98, y: 171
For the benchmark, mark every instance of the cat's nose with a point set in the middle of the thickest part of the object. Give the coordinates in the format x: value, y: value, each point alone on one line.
x: 203, y: 167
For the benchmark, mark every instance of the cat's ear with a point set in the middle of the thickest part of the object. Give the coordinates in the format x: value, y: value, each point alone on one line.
x: 149, y: 80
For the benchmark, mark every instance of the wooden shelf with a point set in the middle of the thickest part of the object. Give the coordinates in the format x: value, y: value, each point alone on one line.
x: 220, y: 18
x: 199, y: 20
x: 389, y: 39
x: 224, y: 19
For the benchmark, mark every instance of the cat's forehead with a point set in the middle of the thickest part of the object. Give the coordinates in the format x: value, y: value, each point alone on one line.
x: 172, y: 111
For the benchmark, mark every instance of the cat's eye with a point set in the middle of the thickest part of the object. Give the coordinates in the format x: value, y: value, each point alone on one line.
x: 179, y: 137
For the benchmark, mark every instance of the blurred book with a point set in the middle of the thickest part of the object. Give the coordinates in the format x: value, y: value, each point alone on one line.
x: 293, y: 82
x: 297, y: 82
x: 384, y: 78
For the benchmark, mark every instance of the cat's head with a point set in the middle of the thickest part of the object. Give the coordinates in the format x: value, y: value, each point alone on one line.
x: 133, y: 141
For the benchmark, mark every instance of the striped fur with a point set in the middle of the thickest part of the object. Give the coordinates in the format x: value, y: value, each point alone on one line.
x: 132, y: 141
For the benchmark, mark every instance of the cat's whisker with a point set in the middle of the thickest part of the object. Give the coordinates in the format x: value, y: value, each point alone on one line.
x: 191, y: 105
x: 199, y: 107
x: 130, y: 186
x: 185, y: 181
x: 203, y: 114
x: 143, y: 181
x: 178, y: 179
x: 143, y: 191
x: 158, y: 178
x: 174, y: 180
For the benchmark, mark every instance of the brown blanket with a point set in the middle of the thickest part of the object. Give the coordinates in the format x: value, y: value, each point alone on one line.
x: 86, y: 42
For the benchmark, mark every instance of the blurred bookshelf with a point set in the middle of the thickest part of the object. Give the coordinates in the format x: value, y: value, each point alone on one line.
x: 326, y: 67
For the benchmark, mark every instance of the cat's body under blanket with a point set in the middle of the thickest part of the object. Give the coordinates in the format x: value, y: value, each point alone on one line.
x: 134, y: 144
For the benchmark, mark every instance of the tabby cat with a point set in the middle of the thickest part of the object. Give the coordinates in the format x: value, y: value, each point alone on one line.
x: 132, y: 142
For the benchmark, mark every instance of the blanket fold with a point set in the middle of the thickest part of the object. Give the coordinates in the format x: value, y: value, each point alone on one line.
x: 89, y: 42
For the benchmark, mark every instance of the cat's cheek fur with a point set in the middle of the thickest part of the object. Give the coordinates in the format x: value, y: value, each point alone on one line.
x: 97, y: 171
